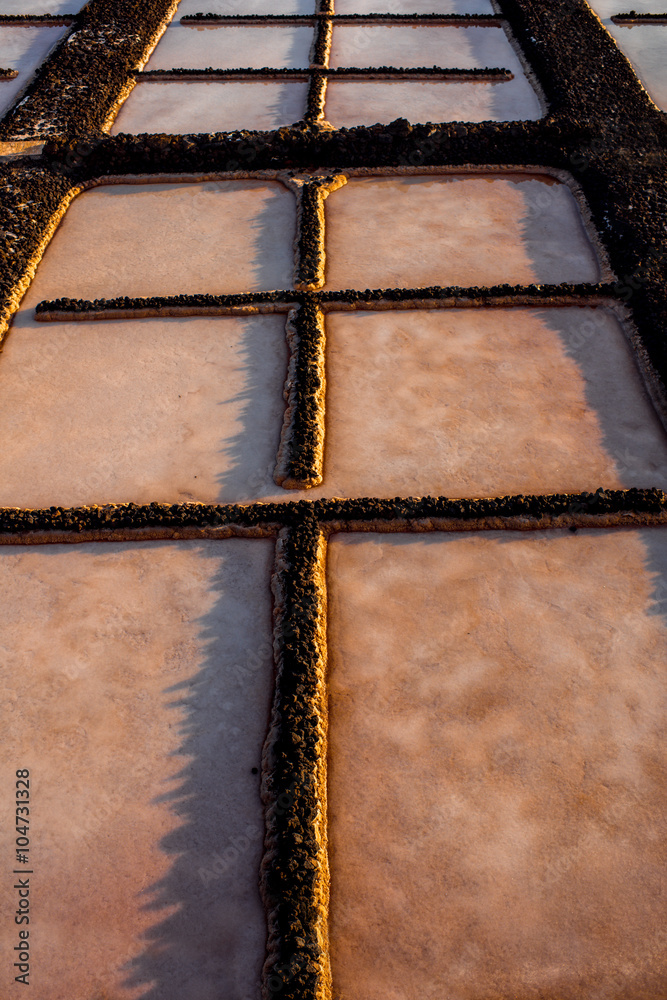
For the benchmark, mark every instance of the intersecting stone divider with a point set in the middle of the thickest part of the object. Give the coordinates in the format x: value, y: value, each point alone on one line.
x: 300, y: 458
x: 309, y: 244
x: 601, y: 508
x: 345, y: 300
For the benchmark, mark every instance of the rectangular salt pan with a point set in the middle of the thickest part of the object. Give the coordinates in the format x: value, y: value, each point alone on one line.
x: 136, y: 682
x: 175, y: 410
x: 349, y: 104
x: 606, y: 9
x: 169, y: 239
x: 366, y: 103
x: 432, y: 45
x: 455, y: 230
x: 414, y: 7
x: 220, y: 106
x: 40, y: 7
x: 23, y: 49
x: 497, y: 765
x: 232, y: 47
x: 486, y: 402
x: 240, y: 7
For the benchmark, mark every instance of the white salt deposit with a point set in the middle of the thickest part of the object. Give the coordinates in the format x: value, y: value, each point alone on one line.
x: 232, y: 47
x: 231, y: 7
x: 411, y: 45
x: 366, y: 103
x: 349, y: 104
x: 181, y: 108
x: 412, y: 7
x: 40, y: 7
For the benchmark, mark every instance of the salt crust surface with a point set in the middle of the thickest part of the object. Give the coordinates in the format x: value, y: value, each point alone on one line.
x: 232, y: 47
x: 136, y: 684
x: 182, y: 108
x: 431, y: 45
x: 413, y: 6
x: 453, y: 230
x: 227, y: 7
x: 645, y: 45
x: 40, y: 7
x: 349, y: 104
x: 167, y: 239
x: 172, y: 410
x: 497, y: 765
x: 486, y: 403
x: 23, y: 49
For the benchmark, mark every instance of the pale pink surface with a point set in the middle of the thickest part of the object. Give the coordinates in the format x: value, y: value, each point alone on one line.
x: 497, y: 765
x: 366, y: 103
x: 40, y: 6
x: 455, y: 230
x: 227, y: 7
x: 485, y: 403
x: 427, y: 45
x: 172, y: 410
x: 463, y: 402
x: 412, y: 6
x: 456, y: 402
x: 181, y: 108
x: 169, y: 239
x: 136, y: 681
x: 349, y: 103
x: 231, y: 47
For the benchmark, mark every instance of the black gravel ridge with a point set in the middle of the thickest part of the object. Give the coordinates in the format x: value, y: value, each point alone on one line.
x: 583, y: 290
x: 74, y: 91
x: 292, y: 785
x: 353, y: 513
